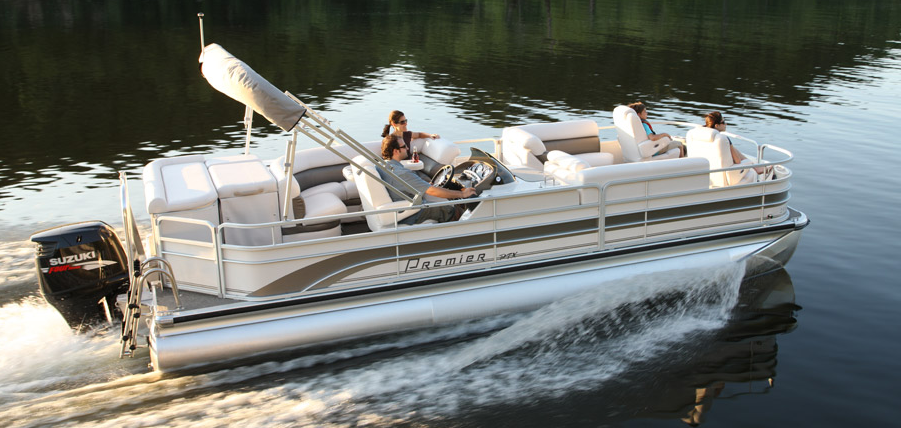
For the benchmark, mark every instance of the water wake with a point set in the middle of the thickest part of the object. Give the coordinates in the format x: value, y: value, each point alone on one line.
x: 575, y: 344
x: 41, y: 353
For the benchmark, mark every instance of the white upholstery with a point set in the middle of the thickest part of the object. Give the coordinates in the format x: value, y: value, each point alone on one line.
x: 323, y: 204
x: 317, y: 205
x: 440, y: 150
x: 374, y: 196
x: 634, y: 141
x: 229, y: 159
x: 709, y: 144
x: 602, y: 176
x: 595, y: 159
x: 521, y: 147
x: 177, y: 184
x: 523, y: 144
x: 564, y: 166
x: 562, y: 130
x: 320, y: 156
x: 243, y: 178
x: 181, y: 187
x: 248, y: 194
x: 332, y: 187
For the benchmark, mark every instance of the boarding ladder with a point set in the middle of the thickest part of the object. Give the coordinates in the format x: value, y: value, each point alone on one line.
x: 141, y: 271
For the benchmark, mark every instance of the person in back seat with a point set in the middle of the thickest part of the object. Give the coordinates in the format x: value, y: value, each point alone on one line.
x: 395, y: 149
x: 642, y: 113
x: 715, y: 120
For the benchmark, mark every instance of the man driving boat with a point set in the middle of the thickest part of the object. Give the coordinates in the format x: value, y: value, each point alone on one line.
x: 394, y: 150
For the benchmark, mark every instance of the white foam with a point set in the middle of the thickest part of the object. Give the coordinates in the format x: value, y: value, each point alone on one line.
x: 40, y: 351
x: 575, y: 344
x: 17, y: 260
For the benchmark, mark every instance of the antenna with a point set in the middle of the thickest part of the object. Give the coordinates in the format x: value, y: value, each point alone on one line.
x: 200, y: 17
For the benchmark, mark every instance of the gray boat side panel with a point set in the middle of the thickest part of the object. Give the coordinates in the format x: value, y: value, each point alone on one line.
x: 326, y: 273
x: 521, y: 291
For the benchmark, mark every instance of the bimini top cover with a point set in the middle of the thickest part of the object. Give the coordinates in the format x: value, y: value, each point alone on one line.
x: 234, y: 78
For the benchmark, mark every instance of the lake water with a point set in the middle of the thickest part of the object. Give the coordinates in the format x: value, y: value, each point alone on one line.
x: 92, y: 88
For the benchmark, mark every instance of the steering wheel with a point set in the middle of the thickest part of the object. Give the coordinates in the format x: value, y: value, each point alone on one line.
x: 442, y: 176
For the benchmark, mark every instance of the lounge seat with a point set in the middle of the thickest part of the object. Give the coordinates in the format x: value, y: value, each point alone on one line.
x: 710, y: 144
x: 318, y: 170
x: 564, y: 166
x: 634, y: 141
x: 530, y: 145
x: 309, y: 206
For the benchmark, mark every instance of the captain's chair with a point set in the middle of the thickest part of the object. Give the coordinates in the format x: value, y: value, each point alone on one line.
x: 634, y: 141
x: 374, y: 196
x: 708, y: 143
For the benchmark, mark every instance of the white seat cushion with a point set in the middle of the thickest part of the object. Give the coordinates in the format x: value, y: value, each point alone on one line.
x: 323, y: 204
x: 566, y: 160
x: 596, y: 159
x: 374, y: 196
x: 710, y: 144
x: 440, y: 150
x: 565, y: 167
x: 337, y: 189
x: 238, y: 179
x: 634, y: 141
x: 177, y: 184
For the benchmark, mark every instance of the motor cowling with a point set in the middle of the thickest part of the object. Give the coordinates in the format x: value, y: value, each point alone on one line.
x: 79, y: 266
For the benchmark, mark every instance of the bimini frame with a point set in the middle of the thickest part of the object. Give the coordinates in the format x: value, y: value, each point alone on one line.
x: 234, y: 78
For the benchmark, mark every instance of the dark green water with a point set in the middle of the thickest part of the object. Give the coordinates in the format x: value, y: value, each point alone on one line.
x: 91, y: 88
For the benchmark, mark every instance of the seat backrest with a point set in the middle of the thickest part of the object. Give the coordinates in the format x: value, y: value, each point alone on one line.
x: 435, y: 153
x: 374, y: 196
x: 629, y: 132
x: 710, y: 144
x: 318, y: 165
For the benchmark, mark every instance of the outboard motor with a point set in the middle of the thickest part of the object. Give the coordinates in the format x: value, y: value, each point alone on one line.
x: 81, y: 269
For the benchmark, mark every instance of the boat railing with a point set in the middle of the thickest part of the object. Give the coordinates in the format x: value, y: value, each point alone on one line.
x: 394, y: 228
x: 215, y: 243
x: 727, y: 192
x: 757, y: 196
x: 219, y: 241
